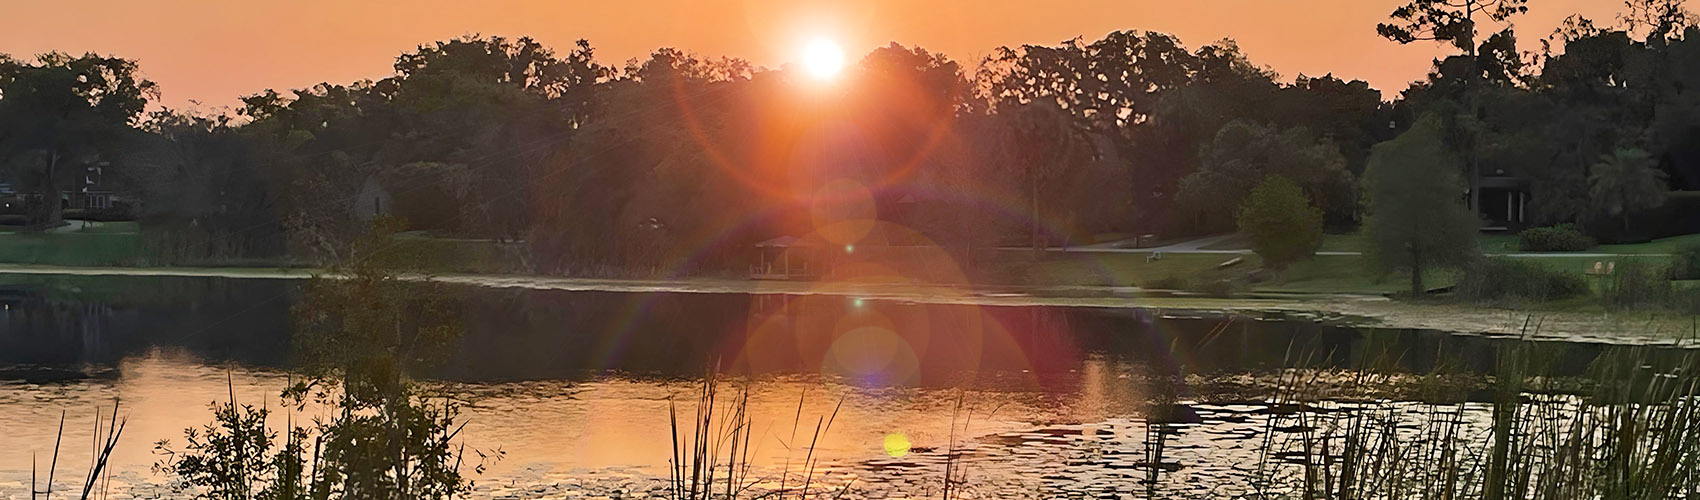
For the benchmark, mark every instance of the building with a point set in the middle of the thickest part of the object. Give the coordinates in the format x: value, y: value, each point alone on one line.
x: 1503, y: 199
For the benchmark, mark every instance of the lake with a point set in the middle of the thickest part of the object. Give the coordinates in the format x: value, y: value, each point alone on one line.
x: 568, y: 392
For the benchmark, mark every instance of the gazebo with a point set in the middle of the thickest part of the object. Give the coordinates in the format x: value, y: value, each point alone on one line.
x: 784, y: 258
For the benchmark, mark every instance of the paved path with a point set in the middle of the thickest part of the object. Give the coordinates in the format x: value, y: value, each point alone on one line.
x: 1196, y: 246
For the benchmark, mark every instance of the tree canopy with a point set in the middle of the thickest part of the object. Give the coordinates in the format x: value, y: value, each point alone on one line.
x: 1416, y: 219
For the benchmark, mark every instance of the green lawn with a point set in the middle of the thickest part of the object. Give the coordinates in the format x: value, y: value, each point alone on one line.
x: 1658, y: 246
x: 1320, y: 274
x: 1499, y: 243
x: 1110, y: 269
x: 118, y: 243
x: 101, y: 245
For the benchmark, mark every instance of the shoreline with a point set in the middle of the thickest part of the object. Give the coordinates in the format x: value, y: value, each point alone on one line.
x: 1346, y: 309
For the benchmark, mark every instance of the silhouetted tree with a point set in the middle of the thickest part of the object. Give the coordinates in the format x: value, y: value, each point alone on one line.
x: 1456, y: 23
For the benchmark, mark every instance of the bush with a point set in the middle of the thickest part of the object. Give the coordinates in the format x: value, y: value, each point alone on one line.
x: 1283, y: 225
x: 1686, y: 264
x: 1637, y: 284
x: 1559, y: 238
x: 1686, y: 300
x: 1518, y: 280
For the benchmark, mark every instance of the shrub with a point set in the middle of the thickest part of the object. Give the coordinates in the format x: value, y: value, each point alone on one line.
x: 1686, y: 264
x: 1686, y: 300
x: 1283, y: 225
x: 1518, y: 280
x: 1559, y: 238
x: 1637, y: 284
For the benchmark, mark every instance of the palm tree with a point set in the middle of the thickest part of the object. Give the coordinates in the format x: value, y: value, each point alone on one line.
x: 1623, y: 182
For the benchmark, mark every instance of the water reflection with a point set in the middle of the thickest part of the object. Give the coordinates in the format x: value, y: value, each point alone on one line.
x: 574, y: 387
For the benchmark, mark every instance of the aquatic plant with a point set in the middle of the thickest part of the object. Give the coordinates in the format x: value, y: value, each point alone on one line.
x: 103, y: 443
x: 1635, y: 434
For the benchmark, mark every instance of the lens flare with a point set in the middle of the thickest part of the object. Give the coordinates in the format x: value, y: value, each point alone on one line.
x: 896, y: 445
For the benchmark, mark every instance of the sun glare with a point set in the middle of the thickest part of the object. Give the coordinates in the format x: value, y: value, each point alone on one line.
x: 823, y: 59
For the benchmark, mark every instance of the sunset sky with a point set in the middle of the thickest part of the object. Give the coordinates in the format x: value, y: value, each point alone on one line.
x: 213, y: 51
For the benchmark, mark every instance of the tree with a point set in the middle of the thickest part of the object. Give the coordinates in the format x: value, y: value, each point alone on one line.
x: 1283, y: 225
x: 204, y: 193
x: 1623, y: 182
x: 1242, y: 154
x: 1447, y: 21
x: 1455, y: 22
x: 362, y: 334
x: 1415, y: 221
x: 62, y: 112
x: 1048, y: 145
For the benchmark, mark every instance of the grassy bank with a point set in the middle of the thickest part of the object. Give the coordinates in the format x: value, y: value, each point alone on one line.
x: 100, y: 244
x: 119, y: 244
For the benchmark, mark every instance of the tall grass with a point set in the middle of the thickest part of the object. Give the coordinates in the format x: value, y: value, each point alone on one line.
x: 1632, y: 433
x: 102, y: 443
x: 711, y: 451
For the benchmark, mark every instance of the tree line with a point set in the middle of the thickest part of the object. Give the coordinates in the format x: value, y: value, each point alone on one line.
x: 678, y: 162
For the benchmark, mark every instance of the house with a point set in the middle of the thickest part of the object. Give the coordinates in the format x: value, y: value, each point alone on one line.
x: 372, y: 200
x: 89, y: 196
x: 1503, y: 198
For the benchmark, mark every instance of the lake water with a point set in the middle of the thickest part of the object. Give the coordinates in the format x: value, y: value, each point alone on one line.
x: 569, y: 392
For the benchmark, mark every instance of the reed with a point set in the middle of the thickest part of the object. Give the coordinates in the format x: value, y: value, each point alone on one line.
x: 102, y: 443
x: 1633, y: 434
x: 711, y: 451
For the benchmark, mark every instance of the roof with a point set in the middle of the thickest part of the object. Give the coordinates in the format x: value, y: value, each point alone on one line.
x: 780, y: 242
x: 1504, y: 182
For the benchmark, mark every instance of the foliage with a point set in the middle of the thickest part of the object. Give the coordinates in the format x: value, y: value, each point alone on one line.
x: 361, y: 333
x: 1446, y: 21
x: 1686, y: 264
x: 204, y: 199
x: 1416, y: 220
x: 1637, y: 283
x: 676, y: 163
x: 234, y: 457
x: 1515, y: 281
x: 1623, y: 182
x: 1244, y: 154
x: 1559, y: 238
x: 1044, y: 146
x: 1283, y: 225
x: 60, y: 115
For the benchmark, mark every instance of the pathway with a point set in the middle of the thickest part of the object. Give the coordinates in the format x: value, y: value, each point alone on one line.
x: 1196, y: 246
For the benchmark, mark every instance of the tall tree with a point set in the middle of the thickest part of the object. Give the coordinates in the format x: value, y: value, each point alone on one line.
x: 1455, y: 22
x: 204, y: 193
x: 1244, y: 153
x: 1415, y: 221
x: 61, y: 112
x: 1048, y: 145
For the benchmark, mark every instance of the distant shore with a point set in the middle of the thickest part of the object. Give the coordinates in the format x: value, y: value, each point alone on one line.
x: 1341, y: 308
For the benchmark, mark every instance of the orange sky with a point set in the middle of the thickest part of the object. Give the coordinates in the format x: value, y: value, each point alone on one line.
x: 213, y: 51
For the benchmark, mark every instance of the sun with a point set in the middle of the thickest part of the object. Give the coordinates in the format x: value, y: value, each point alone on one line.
x: 823, y: 59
